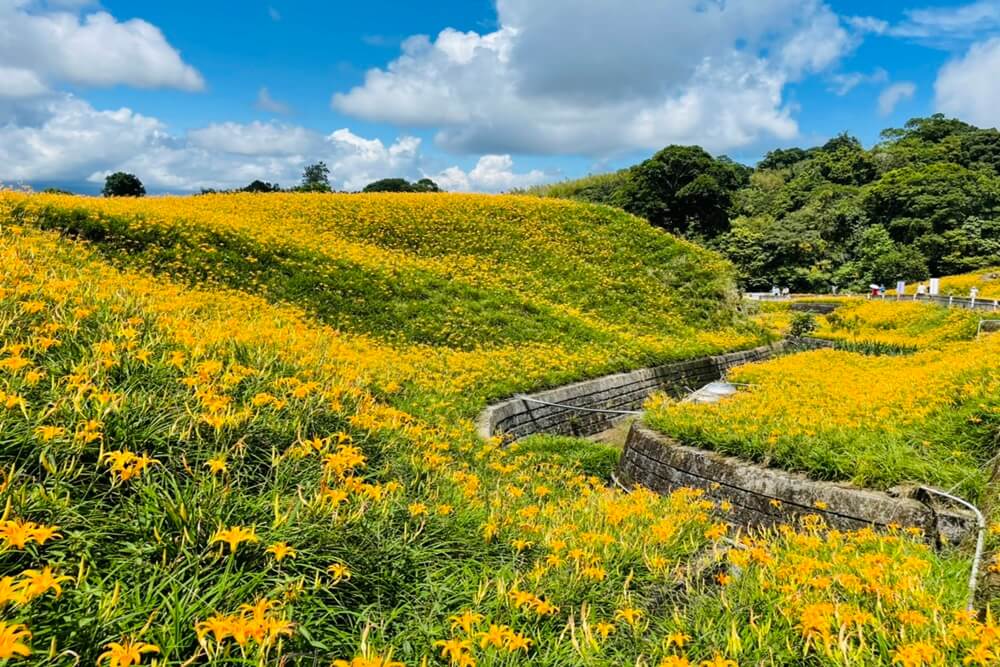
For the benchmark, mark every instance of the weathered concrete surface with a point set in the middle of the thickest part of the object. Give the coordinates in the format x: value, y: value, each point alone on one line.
x: 762, y: 496
x: 817, y: 307
x: 516, y: 418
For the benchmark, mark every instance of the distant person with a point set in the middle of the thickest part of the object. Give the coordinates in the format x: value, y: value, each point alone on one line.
x: 973, y: 293
x: 833, y: 290
x: 921, y: 290
x: 874, y: 291
x: 785, y: 292
x: 881, y: 290
x: 775, y: 291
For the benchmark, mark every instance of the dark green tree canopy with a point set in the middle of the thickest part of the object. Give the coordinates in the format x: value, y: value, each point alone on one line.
x: 402, y: 185
x: 315, y: 178
x: 262, y: 186
x: 683, y: 189
x: 121, y: 184
x: 925, y: 201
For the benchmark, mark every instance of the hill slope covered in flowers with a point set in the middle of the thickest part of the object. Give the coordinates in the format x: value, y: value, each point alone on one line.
x: 206, y: 461
x: 927, y: 412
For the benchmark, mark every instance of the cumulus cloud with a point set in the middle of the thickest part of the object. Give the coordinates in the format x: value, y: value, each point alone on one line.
x: 948, y: 25
x: 255, y: 138
x: 597, y: 78
x: 965, y: 86
x: 267, y: 103
x: 492, y: 173
x: 49, y: 44
x: 893, y: 94
x: 61, y: 138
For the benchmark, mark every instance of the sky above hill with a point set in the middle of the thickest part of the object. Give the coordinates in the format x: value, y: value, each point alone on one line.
x: 478, y: 95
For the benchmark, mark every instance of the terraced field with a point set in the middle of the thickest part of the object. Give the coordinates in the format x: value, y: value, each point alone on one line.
x: 237, y: 430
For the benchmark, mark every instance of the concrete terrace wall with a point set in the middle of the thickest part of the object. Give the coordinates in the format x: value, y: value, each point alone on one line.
x: 765, y: 496
x: 517, y: 418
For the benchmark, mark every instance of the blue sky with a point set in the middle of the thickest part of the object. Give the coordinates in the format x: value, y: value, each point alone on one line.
x: 478, y: 95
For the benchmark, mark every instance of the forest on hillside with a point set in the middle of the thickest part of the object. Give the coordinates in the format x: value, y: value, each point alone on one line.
x: 924, y: 201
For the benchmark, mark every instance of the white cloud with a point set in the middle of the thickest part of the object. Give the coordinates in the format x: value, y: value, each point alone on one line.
x: 868, y: 24
x: 55, y: 45
x: 843, y: 83
x: 72, y: 140
x: 267, y: 103
x: 255, y: 138
x: 20, y: 83
x: 946, y: 26
x: 893, y: 94
x: 61, y: 138
x: 492, y: 173
x: 966, y: 86
x: 598, y: 78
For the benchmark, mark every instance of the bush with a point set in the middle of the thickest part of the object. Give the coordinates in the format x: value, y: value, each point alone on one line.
x: 803, y: 324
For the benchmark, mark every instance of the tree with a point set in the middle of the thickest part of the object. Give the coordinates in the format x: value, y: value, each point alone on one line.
x: 315, y: 178
x: 121, y: 184
x: 389, y: 185
x: 402, y: 185
x: 262, y: 186
x: 683, y: 189
x: 426, y: 185
x: 782, y: 158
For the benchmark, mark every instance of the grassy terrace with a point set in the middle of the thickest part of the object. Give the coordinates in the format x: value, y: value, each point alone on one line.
x: 930, y: 415
x: 236, y: 430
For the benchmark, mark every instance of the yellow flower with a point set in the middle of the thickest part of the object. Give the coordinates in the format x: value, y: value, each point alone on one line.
x: 281, y: 551
x: 338, y: 572
x: 495, y: 636
x: 217, y: 465
x: 719, y: 661
x: 12, y: 636
x: 234, y: 536
x: 604, y: 629
x: 47, y: 433
x: 127, y: 653
x: 455, y: 650
x: 917, y: 654
x: 630, y: 615
x: 675, y: 661
x: 39, y: 582
x: 368, y: 661
x: 466, y: 621
x: 417, y: 509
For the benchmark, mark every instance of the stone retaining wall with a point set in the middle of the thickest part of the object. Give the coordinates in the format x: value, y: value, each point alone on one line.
x: 765, y: 496
x: 816, y: 307
x: 517, y: 418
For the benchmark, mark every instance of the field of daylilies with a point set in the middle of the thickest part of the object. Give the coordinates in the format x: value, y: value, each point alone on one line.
x: 238, y: 430
x: 914, y: 398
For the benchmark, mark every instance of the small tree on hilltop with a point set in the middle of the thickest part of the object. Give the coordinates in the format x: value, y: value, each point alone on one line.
x: 121, y: 184
x: 389, y: 185
x: 426, y: 185
x: 262, y: 186
x: 316, y: 178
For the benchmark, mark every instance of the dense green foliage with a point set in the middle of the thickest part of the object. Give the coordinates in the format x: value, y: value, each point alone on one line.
x: 925, y: 201
x: 402, y: 185
x: 120, y: 184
